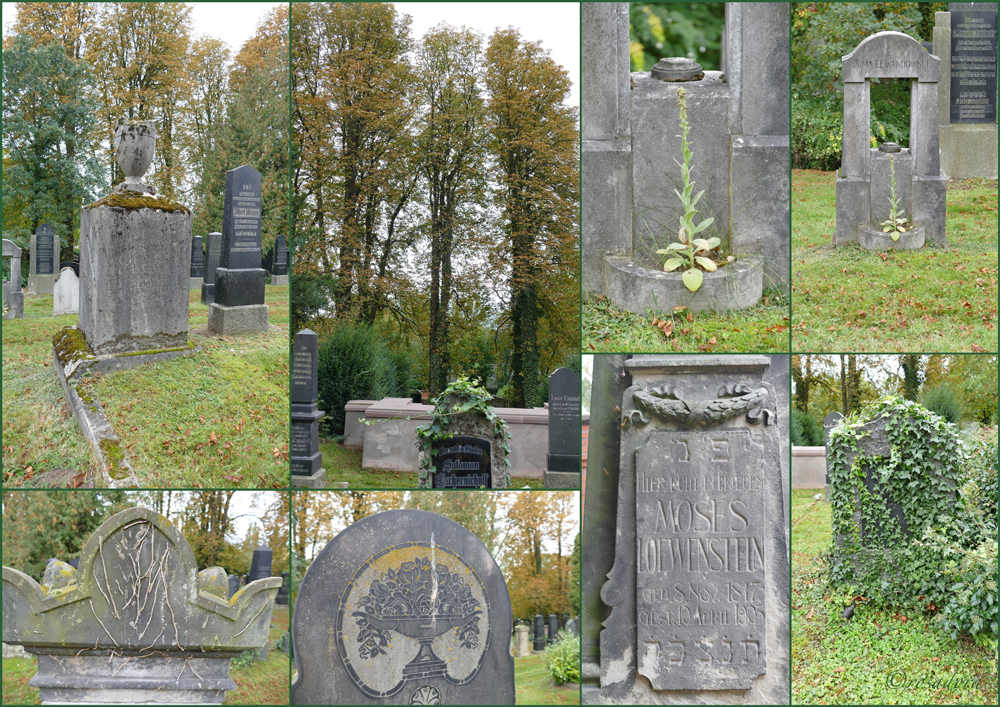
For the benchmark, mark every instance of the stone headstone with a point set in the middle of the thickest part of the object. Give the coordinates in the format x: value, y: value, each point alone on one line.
x: 139, y: 624
x: 403, y: 607
x: 521, y: 644
x: 234, y: 585
x: 563, y: 458
x: 462, y: 462
x: 213, y: 253
x: 573, y: 627
x: 260, y: 564
x: 66, y: 293
x: 44, y: 247
x: 284, y: 591
x: 279, y: 268
x: 239, y: 280
x: 197, y: 263
x: 862, y: 196
x: 306, y: 459
x: 13, y: 294
x: 539, y: 640
x: 553, y: 628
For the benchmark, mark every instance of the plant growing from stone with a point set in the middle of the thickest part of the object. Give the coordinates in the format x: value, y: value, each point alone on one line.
x: 689, y: 251
x: 896, y: 223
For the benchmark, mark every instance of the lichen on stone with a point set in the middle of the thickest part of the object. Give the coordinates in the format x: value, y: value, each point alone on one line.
x: 134, y: 201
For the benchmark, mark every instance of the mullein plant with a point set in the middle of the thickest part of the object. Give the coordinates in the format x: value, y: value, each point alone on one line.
x: 895, y: 224
x: 689, y: 252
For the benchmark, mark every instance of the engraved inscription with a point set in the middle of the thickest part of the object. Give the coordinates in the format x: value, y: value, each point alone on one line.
x: 973, y: 63
x: 302, y: 367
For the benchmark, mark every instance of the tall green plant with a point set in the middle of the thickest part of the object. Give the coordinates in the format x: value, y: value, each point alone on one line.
x: 896, y: 223
x: 689, y: 251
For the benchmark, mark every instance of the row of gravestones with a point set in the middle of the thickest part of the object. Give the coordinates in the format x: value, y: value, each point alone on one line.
x: 205, y: 255
x: 462, y: 461
x: 402, y: 607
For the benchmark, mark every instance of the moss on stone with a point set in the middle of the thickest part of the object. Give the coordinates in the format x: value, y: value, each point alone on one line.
x: 134, y: 201
x: 84, y: 395
x: 114, y: 455
x: 71, y: 346
x: 190, y: 345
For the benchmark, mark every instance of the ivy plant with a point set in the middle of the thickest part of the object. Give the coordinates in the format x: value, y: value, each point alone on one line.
x: 461, y: 396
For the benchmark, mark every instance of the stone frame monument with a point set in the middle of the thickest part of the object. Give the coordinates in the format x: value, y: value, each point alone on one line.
x: 13, y: 294
x: 43, y: 260
x: 863, y: 181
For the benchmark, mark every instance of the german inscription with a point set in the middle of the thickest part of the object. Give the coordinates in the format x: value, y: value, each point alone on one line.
x: 44, y: 249
x: 973, y: 62
x: 462, y: 463
x: 700, y: 546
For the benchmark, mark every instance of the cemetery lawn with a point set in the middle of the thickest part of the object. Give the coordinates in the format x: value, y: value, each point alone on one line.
x: 531, y: 684
x: 344, y: 464
x: 760, y: 329
x: 263, y: 682
x: 217, y: 418
x: 851, y: 299
x: 841, y: 661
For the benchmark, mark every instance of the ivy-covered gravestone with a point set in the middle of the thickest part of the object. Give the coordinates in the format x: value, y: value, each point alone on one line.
x: 893, y: 471
x: 464, y: 432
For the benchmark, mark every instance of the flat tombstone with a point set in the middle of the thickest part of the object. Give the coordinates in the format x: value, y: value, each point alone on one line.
x: 973, y: 62
x: 197, y: 257
x: 260, y: 565
x: 564, y: 421
x: 66, y: 293
x: 372, y: 627
x: 462, y: 462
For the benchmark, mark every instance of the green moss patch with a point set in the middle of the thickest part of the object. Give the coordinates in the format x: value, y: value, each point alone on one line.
x: 114, y: 455
x: 71, y: 346
x: 134, y: 201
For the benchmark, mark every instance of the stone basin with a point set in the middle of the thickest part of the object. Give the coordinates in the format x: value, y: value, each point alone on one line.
x: 872, y: 238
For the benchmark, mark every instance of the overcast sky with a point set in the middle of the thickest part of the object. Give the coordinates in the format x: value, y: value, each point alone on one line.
x: 233, y: 23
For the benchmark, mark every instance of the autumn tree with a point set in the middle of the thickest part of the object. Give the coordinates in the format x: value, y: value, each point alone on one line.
x: 206, y: 523
x: 910, y: 364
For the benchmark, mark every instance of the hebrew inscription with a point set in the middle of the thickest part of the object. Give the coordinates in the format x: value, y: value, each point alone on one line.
x: 700, y: 544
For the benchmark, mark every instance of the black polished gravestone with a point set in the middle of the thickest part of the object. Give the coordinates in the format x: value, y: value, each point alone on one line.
x: 553, y: 628
x: 213, y: 252
x: 279, y: 267
x: 562, y: 463
x: 41, y: 268
x: 462, y: 462
x: 403, y: 607
x: 197, y: 257
x: 284, y: 590
x: 234, y: 585
x: 306, y: 459
x: 973, y: 62
x: 239, y: 279
x: 260, y: 565
x: 539, y: 640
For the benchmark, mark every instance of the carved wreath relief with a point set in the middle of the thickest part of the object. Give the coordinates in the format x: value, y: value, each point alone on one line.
x: 413, y: 612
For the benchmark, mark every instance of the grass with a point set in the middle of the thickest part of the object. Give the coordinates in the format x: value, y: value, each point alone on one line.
x: 344, y: 464
x: 531, y: 683
x: 878, y: 656
x: 762, y: 328
x: 851, y: 299
x: 216, y: 418
x: 16, y: 674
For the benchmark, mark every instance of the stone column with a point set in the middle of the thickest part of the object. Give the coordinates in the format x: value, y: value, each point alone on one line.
x: 606, y: 216
x: 553, y: 628
x: 306, y: 459
x: 929, y: 185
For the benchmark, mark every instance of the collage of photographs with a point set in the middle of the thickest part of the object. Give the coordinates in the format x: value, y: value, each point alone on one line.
x: 350, y: 350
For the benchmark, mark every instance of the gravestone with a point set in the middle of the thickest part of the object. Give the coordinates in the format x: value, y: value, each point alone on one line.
x: 137, y: 623
x: 698, y: 585
x: 562, y: 469
x: 461, y: 462
x: 553, y: 628
x: 260, y: 564
x: 66, y: 293
x: 965, y: 39
x: 573, y: 627
x: 239, y: 306
x: 521, y: 647
x: 197, y: 264
x: 403, y: 607
x: 44, y: 251
x: 234, y: 585
x: 538, y: 644
x: 863, y: 181
x: 284, y: 591
x: 13, y: 294
x: 829, y: 422
x: 306, y: 459
x: 135, y: 259
x: 279, y: 269
x: 213, y: 253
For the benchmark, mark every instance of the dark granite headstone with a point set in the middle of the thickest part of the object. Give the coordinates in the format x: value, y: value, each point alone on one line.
x: 75, y: 562
x: 213, y: 253
x: 564, y: 421
x: 539, y: 640
x: 239, y: 280
x: 260, y: 565
x: 234, y: 585
x: 462, y: 462
x: 306, y: 459
x: 197, y: 257
x: 553, y: 628
x: 284, y: 590
x: 973, y: 62
x: 403, y: 607
x: 45, y: 237
x: 280, y: 264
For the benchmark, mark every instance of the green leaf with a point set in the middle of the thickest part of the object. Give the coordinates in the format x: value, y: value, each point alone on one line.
x: 697, y: 196
x: 701, y: 243
x: 894, y: 236
x: 672, y: 264
x: 706, y: 263
x: 692, y: 279
x: 672, y: 247
x: 704, y: 224
x: 884, y: 230
x: 713, y: 242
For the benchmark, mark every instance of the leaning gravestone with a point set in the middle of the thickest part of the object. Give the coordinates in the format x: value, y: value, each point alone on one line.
x: 239, y: 280
x: 306, y: 459
x: 66, y: 293
x: 197, y: 264
x: 13, y: 295
x: 41, y: 272
x: 863, y: 182
x: 562, y: 467
x: 137, y: 623
x: 279, y: 269
x: 213, y: 252
x: 403, y: 607
x: 698, y: 589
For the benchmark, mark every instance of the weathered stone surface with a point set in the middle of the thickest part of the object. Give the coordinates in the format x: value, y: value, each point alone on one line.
x: 260, y: 564
x: 521, y: 646
x: 42, y: 265
x: 234, y: 585
x: 538, y: 643
x: 284, y: 591
x: 890, y: 55
x: 197, y: 258
x: 474, y: 425
x: 238, y: 321
x: 553, y: 628
x: 354, y: 426
x: 677, y: 68
x: 139, y: 625
x: 882, y: 167
x: 213, y: 253
x: 280, y: 265
x: 215, y: 581
x: 59, y: 578
x: 13, y: 295
x: 134, y: 273
x: 447, y: 640
x: 873, y: 238
x: 66, y: 293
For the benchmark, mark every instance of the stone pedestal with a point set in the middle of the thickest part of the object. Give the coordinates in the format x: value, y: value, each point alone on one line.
x: 44, y: 260
x: 236, y: 321
x: 135, y: 264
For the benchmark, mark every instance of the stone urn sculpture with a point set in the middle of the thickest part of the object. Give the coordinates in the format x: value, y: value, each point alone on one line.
x: 135, y: 143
